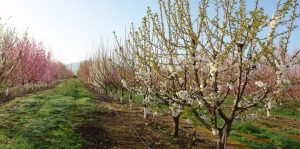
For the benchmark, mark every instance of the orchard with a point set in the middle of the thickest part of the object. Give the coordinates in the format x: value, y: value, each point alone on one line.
x: 201, y: 62
x: 24, y: 61
x: 206, y: 74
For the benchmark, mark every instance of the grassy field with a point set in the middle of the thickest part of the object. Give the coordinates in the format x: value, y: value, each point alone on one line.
x: 46, y: 119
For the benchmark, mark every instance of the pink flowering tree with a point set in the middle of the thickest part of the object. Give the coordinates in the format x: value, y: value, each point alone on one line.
x: 35, y: 65
x: 31, y: 64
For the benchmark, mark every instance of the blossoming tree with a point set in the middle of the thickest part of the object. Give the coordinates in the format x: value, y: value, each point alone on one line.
x: 103, y: 76
x: 208, y: 59
x: 83, y: 72
x: 8, y: 53
x: 34, y: 65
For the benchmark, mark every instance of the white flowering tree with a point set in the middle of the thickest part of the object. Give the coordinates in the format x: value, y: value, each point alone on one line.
x: 103, y: 73
x: 127, y: 70
x: 136, y: 75
x: 160, y: 72
x: 277, y: 71
x: 206, y: 59
x: 8, y: 53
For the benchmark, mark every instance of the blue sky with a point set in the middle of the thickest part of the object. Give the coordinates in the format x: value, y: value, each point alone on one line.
x: 70, y: 28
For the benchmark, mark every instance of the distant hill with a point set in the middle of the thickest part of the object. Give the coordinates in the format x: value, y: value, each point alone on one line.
x: 74, y: 67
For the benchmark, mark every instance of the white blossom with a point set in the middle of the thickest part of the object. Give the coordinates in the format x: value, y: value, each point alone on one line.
x: 176, y: 109
x: 245, y: 103
x: 203, y: 117
x: 230, y: 85
x: 155, y: 114
x: 147, y: 100
x: 213, y: 69
x: 163, y: 87
x: 277, y: 65
x: 215, y: 131
x: 124, y: 83
x: 261, y: 84
x: 181, y: 80
x: 272, y: 24
x: 170, y: 68
x: 236, y: 52
x: 269, y: 105
x: 284, y: 83
x: 173, y: 74
x: 200, y: 102
x: 202, y: 85
x: 143, y: 75
x: 176, y: 112
x: 182, y: 94
x: 275, y: 20
x: 188, y: 121
x: 212, y: 97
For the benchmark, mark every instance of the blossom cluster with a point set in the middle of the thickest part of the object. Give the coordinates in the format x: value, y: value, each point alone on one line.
x: 175, y: 108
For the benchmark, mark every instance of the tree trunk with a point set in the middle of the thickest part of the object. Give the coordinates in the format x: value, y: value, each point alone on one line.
x: 194, y: 138
x: 110, y: 93
x: 220, y: 143
x: 268, y: 113
x: 114, y: 94
x: 145, y: 112
x: 122, y: 94
x: 130, y: 101
x: 176, y: 126
x: 106, y: 92
x: 222, y: 138
x: 121, y: 100
x: 7, y: 92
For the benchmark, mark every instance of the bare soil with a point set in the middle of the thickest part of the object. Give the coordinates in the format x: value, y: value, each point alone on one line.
x: 119, y: 127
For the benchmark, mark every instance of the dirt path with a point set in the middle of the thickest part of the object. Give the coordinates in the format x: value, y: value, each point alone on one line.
x: 117, y: 126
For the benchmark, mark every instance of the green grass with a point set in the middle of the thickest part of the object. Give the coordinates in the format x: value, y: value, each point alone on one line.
x: 274, y: 139
x: 290, y: 112
x: 47, y: 119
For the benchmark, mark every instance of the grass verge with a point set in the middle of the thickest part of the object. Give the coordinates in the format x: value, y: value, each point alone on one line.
x: 47, y: 119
